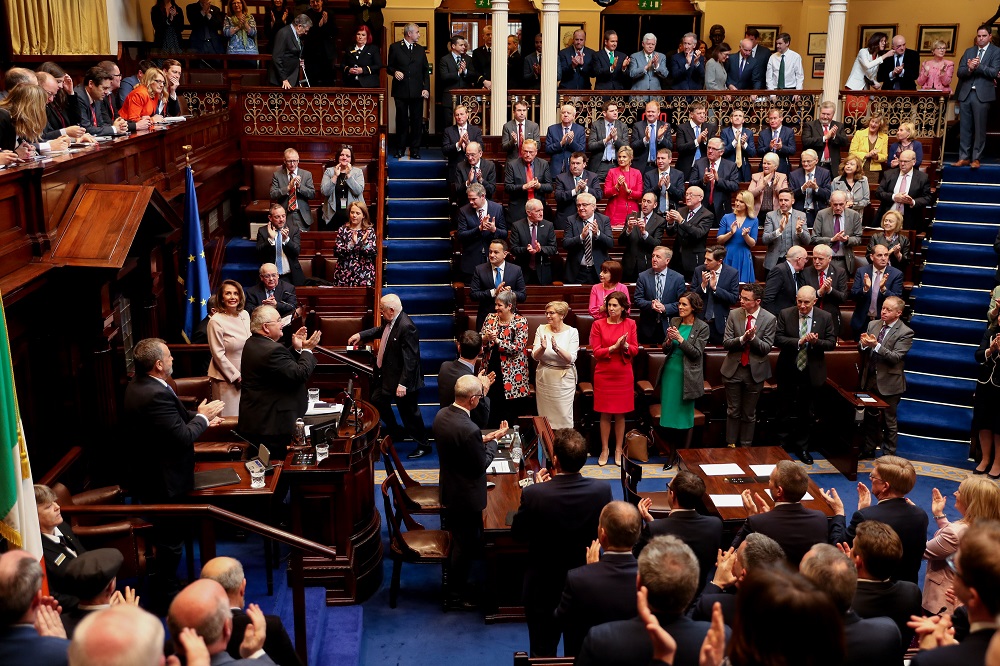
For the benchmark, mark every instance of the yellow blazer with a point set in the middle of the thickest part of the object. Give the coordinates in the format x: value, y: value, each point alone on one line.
x: 859, y: 148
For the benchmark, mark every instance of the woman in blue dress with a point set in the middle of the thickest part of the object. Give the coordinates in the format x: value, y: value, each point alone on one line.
x: 240, y: 29
x: 738, y: 232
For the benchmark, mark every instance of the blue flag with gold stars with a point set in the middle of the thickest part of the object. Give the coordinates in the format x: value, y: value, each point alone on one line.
x: 196, y: 286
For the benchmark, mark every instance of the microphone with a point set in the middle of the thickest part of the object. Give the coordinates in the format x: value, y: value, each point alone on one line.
x: 268, y: 467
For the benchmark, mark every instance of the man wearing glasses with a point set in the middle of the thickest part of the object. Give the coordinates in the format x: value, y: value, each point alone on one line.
x: 293, y: 187
x: 905, y: 189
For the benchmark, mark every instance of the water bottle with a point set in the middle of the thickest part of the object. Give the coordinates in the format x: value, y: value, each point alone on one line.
x: 531, y: 477
x: 515, y: 446
x: 300, y: 432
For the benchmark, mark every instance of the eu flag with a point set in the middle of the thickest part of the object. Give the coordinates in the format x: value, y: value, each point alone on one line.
x: 196, y: 286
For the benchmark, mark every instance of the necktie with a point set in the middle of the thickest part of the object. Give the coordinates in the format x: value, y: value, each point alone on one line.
x: 482, y: 216
x: 708, y: 310
x: 745, y: 356
x: 520, y: 135
x: 784, y: 222
x: 609, y: 148
x: 365, y: 13
x: 663, y: 194
x: 980, y: 55
x: 739, y: 147
x: 652, y: 143
x: 697, y: 142
x: 781, y: 73
x: 384, y: 344
x: 475, y: 173
x: 809, y: 192
x: 743, y: 62
x: 874, y: 356
x: 293, y: 203
x: 802, y: 357
x: 611, y: 59
x: 534, y: 239
x: 797, y: 276
x: 688, y: 219
x: 836, y: 230
x: 565, y: 130
x: 497, y: 278
x: 876, y: 287
x: 659, y: 286
x: 902, y: 190
x: 822, y: 279
x: 711, y: 187
x: 278, y: 253
x: 588, y: 249
x: 826, y: 145
x: 93, y: 113
x: 899, y: 79
x: 269, y: 293
x: 409, y: 46
x: 529, y: 173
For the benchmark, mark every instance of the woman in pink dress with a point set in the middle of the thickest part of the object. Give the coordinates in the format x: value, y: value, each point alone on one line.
x: 623, y: 189
x: 228, y: 331
x: 613, y: 341
x: 611, y: 275
x: 936, y: 73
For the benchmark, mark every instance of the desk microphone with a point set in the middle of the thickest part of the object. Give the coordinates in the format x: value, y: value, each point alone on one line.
x: 268, y: 467
x: 354, y: 415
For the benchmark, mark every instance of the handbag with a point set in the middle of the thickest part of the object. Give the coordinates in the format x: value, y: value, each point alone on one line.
x: 637, y: 446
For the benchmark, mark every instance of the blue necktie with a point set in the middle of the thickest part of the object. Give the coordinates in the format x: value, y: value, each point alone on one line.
x: 697, y: 143
x: 652, y: 142
x: 497, y: 279
x: 277, y: 253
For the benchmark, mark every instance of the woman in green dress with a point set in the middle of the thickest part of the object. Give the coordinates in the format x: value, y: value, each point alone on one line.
x: 683, y: 379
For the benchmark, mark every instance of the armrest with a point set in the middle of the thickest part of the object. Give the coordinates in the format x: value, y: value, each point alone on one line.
x: 222, y: 432
x: 708, y: 386
x: 645, y: 386
x: 106, y: 495
x: 586, y: 388
x: 244, y: 195
x: 116, y: 528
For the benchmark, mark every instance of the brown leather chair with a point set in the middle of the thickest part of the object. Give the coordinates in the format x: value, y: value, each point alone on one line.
x: 522, y: 659
x: 416, y: 544
x: 419, y: 498
x: 218, y: 441
x: 631, y: 476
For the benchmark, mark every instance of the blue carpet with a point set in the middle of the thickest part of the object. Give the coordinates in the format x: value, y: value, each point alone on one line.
x: 950, y: 302
x: 412, y: 250
x: 939, y: 358
x: 964, y: 277
x: 417, y: 272
x: 969, y: 331
x: 964, y: 232
x: 964, y: 211
x: 419, y: 227
x: 424, y: 300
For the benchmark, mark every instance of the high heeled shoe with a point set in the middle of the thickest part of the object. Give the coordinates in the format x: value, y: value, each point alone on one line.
x: 618, y: 457
x: 602, y: 460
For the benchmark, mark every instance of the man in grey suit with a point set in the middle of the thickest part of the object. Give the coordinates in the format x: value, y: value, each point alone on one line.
x: 606, y: 137
x: 517, y: 130
x: 470, y: 345
x: 587, y: 241
x: 473, y: 169
x: 293, y: 187
x: 977, y: 69
x: 691, y: 224
x: 648, y: 68
x: 784, y: 228
x: 748, y: 340
x: 526, y: 178
x: 840, y: 228
x: 883, y: 349
x: 287, y: 52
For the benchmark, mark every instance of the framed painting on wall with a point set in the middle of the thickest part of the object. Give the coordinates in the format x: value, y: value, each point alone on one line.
x: 866, y: 31
x: 928, y: 34
x: 566, y: 31
x: 819, y: 67
x: 768, y: 34
x: 817, y: 44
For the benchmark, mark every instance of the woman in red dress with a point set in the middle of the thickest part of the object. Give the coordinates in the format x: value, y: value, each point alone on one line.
x: 613, y: 342
x: 622, y: 189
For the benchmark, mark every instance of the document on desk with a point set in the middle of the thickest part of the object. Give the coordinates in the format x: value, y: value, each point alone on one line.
x: 805, y: 498
x: 762, y: 470
x: 499, y: 466
x: 320, y: 408
x: 726, y: 501
x: 722, y: 469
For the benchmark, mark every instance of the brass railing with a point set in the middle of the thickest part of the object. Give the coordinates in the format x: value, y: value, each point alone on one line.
x: 313, y: 112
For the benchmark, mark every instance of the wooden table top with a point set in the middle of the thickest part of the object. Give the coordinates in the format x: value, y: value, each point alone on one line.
x: 237, y: 489
x: 693, y: 459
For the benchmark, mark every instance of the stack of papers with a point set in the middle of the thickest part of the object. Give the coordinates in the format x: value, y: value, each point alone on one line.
x: 499, y: 466
x: 726, y: 501
x: 722, y: 469
x: 316, y: 408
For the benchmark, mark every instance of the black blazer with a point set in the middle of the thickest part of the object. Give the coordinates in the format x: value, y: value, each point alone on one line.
x: 752, y: 77
x: 638, y: 250
x: 570, y: 76
x: 482, y: 60
x: 400, y: 360
x: 606, y: 78
x: 450, y: 137
x: 515, y: 175
x: 728, y: 182
x: 475, y: 243
x: 702, y: 533
x: 460, y: 176
x: 725, y: 295
x: 573, y: 244
x: 896, y: 600
x: 565, y: 193
x: 520, y: 237
x: 831, y: 301
x: 284, y: 296
x: 911, y: 70
x: 448, y: 77
x: 594, y: 594
x: 464, y: 458
x: 675, y: 190
x: 871, y: 642
x: 687, y: 143
x: 367, y: 58
x: 291, y: 248
x: 57, y: 557
x: 626, y: 642
x: 277, y: 643
x: 60, y: 116
x: 689, y: 249
x: 93, y: 117
x: 779, y: 289
x: 795, y: 528
x: 640, y: 147
x: 702, y: 607
x: 413, y: 64
x: 449, y: 373
x: 155, y: 416
x: 970, y: 651
x: 285, y: 56
x: 482, y: 284
x: 274, y: 387
x: 918, y: 187
x: 786, y: 337
x: 910, y: 523
x: 812, y: 137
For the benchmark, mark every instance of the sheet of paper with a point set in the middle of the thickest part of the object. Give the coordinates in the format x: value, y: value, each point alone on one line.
x: 726, y: 501
x: 869, y: 399
x: 722, y: 469
x: 762, y: 470
x: 329, y: 409
x: 286, y: 320
x: 805, y: 498
x: 499, y: 466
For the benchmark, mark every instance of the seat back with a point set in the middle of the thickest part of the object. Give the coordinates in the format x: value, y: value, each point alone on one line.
x: 393, y: 464
x: 337, y: 330
x: 392, y: 520
x: 631, y: 474
x: 262, y: 176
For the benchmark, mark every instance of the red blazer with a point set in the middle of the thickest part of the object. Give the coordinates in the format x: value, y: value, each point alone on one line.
x: 139, y: 103
x: 620, y: 203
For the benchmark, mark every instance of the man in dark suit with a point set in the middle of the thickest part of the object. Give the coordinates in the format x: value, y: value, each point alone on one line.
x: 587, y: 240
x: 21, y: 644
x: 470, y: 345
x: 575, y: 64
x: 286, y: 53
x: 748, y: 339
x: 533, y: 244
x: 397, y: 372
x: 228, y: 572
x: 901, y: 67
x: 794, y: 527
x: 455, y: 70
x: 777, y: 139
x: 977, y: 70
x: 826, y: 136
x: 905, y: 189
x: 482, y: 56
x: 657, y: 292
x: 626, y: 642
x: 719, y: 178
x: 740, y: 69
x: 602, y: 590
x: 883, y: 350
x: 569, y: 184
x: 804, y: 334
x: 643, y: 231
x: 610, y: 66
x: 692, y: 138
x: 840, y: 229
x: 785, y: 280
x: 205, y: 20
x: 687, y: 68
x: 564, y: 139
x: 407, y: 65
x: 273, y: 391
x: 457, y: 137
x: 369, y: 12
x: 703, y: 534
x: 473, y: 169
x: 273, y: 291
x: 829, y: 281
x: 719, y: 288
x: 279, y: 243
x: 526, y: 178
x: 892, y: 479
x: 91, y: 110
x: 666, y: 183
x: 493, y: 277
x: 558, y: 519
x: 92, y: 578
x: 607, y: 135
x: 293, y: 187
x: 867, y: 642
x: 480, y: 222
x: 760, y: 54
x: 872, y: 285
x: 532, y: 73
x: 649, y: 135
x: 811, y: 185
x: 464, y: 453
x: 519, y: 129
x: 162, y: 469
x: 754, y: 553
x: 690, y: 224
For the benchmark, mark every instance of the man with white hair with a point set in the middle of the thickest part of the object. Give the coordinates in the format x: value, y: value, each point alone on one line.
x: 811, y: 185
x: 648, y: 68
x: 840, y: 228
x: 125, y: 635
x: 719, y: 178
x: 905, y: 189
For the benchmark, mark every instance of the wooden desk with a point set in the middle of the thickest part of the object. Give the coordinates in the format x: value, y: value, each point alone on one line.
x: 241, y: 489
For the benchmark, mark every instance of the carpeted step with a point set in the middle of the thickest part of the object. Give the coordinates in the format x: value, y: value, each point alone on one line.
x: 418, y: 227
x: 967, y: 211
x: 962, y: 254
x: 931, y: 420
x: 949, y: 302
x: 247, y: 274
x: 981, y: 192
x: 432, y: 165
x: 241, y: 251
x: 440, y: 327
x: 435, y: 352
x: 428, y: 411
x: 415, y: 188
x: 935, y: 388
x: 952, y: 329
x: 416, y: 208
x: 962, y: 277
x: 934, y: 450
x: 987, y: 174
x: 965, y: 232
x: 413, y: 249
x: 417, y: 272
x: 424, y: 299
x: 932, y: 357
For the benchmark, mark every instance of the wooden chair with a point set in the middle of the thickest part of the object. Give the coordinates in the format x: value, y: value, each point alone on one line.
x: 631, y: 476
x: 416, y: 544
x: 522, y: 659
x: 419, y: 499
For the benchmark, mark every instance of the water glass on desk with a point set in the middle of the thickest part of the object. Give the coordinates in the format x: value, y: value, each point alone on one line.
x: 257, y: 478
x: 322, y: 450
x: 313, y: 396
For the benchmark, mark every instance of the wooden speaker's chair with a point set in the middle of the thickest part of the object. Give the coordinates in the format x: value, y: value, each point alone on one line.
x: 419, y: 498
x: 218, y: 441
x: 631, y: 476
x: 414, y: 543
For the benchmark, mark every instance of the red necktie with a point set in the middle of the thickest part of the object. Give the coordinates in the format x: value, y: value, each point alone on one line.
x: 745, y: 358
x: 711, y: 188
x: 293, y: 204
x: 826, y: 145
x: 529, y: 173
x: 520, y: 135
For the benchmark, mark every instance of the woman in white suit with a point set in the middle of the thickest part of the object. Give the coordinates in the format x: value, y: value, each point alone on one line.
x: 866, y: 64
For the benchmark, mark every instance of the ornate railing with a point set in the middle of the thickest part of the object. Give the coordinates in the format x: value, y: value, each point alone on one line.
x: 927, y: 110
x: 315, y: 112
x: 200, y: 100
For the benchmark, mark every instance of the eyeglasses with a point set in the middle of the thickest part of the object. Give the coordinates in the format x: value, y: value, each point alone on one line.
x: 871, y: 475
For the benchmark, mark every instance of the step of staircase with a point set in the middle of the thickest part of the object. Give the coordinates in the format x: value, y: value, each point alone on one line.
x: 933, y: 357
x: 413, y: 249
x: 417, y: 208
x: 953, y: 329
x: 939, y: 450
x: 435, y: 327
x: 939, y: 388
x: 988, y: 174
x: 417, y: 272
x: 949, y: 302
x: 419, y: 227
x: 963, y: 277
x: 981, y: 192
x: 961, y: 254
x: 413, y: 188
x: 934, y: 420
x: 966, y: 211
x: 983, y: 233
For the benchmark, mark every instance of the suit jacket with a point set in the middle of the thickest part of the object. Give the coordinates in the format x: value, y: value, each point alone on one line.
x: 795, y: 528
x: 284, y: 295
x: 515, y: 71
x: 702, y: 533
x: 821, y: 195
x: 155, y: 416
x: 760, y: 346
x: 464, y: 458
x: 285, y: 56
x: 779, y: 182
x: 520, y: 237
x: 93, y: 116
x: 727, y: 183
x: 369, y: 59
x: 273, y: 394
x: 450, y: 137
x: 908, y: 79
x: 778, y: 243
x: 20, y: 645
x: 57, y: 557
x: 981, y: 77
x: 448, y: 77
x: 871, y: 642
x: 401, y: 358
x: 684, y: 77
x: 412, y: 62
x: 787, y: 339
x: 530, y: 79
x: 850, y: 223
x: 461, y: 176
x: 780, y: 289
x: 277, y: 644
x: 449, y: 373
x: 594, y: 594
x: 508, y: 138
x: 761, y: 55
x: 475, y: 243
x: 627, y: 643
x: 653, y: 325
x: 565, y: 193
x: 896, y: 600
x: 574, y: 77
x: 752, y: 77
x: 266, y: 251
x: 703, y: 605
x: 482, y: 60
x: 688, y: 145
x: 720, y: 300
x: 862, y: 299
x: 656, y: 78
x: 640, y: 147
x: 60, y: 116
x: 305, y: 192
x: 638, y: 250
x: 205, y: 31
x: 560, y: 152
x: 728, y: 136
x: 607, y: 77
x: 691, y: 237
x: 918, y: 187
x: 837, y: 294
x: 595, y: 143
x: 558, y: 520
x: 787, y: 146
x: 909, y: 522
x: 573, y: 244
x: 674, y: 191
x: 515, y: 175
x: 970, y: 651
x: 889, y: 359
x: 693, y: 354
x: 225, y: 659
x: 482, y: 284
x: 812, y: 137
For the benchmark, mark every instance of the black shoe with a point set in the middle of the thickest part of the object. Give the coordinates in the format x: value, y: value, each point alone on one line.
x: 979, y: 472
x: 399, y: 154
x: 419, y: 452
x: 462, y: 605
x: 414, y: 155
x: 804, y: 455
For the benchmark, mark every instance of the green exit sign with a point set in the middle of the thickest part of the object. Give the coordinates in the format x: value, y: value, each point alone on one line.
x: 484, y: 4
x: 649, y: 5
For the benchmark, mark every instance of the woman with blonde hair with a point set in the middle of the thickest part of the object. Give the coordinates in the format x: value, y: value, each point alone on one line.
x: 892, y: 238
x: 555, y: 348
x: 872, y: 147
x: 228, y: 331
x: 853, y: 181
x: 145, y: 97
x: 22, y: 121
x: 905, y: 141
x: 936, y: 73
x: 738, y: 232
x: 622, y: 189
x: 765, y: 185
